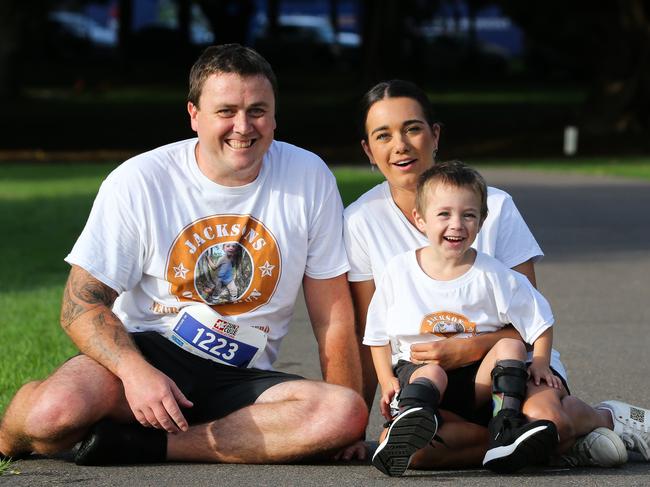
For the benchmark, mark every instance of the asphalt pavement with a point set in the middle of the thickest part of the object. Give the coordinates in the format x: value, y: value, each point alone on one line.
x: 595, y: 232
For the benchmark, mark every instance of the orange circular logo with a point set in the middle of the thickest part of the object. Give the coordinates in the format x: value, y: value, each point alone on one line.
x: 230, y: 262
x: 446, y: 324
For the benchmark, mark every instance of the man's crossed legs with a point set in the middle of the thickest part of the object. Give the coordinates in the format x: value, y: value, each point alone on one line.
x: 289, y: 420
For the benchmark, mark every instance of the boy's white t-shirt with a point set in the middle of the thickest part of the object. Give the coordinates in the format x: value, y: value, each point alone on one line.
x: 410, y: 307
x: 376, y: 230
x: 157, y: 217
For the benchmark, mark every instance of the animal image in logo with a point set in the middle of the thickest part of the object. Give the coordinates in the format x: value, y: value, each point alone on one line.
x: 230, y: 262
x: 446, y: 324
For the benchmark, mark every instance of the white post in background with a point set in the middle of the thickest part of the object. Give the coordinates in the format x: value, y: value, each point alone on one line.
x: 570, y: 140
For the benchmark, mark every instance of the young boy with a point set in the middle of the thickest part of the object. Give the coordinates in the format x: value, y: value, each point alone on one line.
x: 445, y: 290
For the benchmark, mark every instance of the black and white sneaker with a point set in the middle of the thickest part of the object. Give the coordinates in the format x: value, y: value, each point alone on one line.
x: 515, y: 443
x: 411, y: 430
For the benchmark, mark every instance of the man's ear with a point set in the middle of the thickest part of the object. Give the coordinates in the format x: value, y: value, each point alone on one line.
x: 193, y: 110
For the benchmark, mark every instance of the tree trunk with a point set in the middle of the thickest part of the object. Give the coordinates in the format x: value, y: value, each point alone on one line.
x: 125, y: 33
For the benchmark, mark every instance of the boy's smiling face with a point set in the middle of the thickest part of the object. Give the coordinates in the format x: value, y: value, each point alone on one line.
x: 451, y: 219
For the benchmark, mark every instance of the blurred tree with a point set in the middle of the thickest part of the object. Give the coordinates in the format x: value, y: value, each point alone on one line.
x: 605, y: 43
x: 18, y: 20
x: 229, y: 19
x: 125, y: 32
x: 390, y: 43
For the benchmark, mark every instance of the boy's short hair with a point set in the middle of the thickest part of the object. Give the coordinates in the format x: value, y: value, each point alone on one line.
x: 454, y: 173
x: 228, y: 58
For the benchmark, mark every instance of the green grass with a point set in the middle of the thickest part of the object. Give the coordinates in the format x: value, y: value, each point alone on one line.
x: 42, y: 211
x: 634, y: 167
x: 4, y: 466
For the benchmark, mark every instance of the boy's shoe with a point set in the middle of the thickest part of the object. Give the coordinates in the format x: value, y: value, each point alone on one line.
x: 632, y: 424
x: 515, y: 443
x: 410, y: 430
x: 600, y: 448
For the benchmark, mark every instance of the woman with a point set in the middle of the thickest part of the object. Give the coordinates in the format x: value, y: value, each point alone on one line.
x: 400, y: 137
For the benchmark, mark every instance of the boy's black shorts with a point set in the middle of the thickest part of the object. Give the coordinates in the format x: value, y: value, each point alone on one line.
x: 215, y: 389
x: 459, y: 398
x: 460, y: 395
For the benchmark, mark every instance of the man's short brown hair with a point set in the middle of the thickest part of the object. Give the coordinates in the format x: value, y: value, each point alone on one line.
x: 228, y: 58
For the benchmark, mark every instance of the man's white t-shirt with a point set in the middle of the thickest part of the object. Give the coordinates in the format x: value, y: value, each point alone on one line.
x: 376, y: 230
x: 158, y: 222
x: 410, y: 307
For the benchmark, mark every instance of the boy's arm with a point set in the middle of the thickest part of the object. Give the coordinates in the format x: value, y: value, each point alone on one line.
x: 540, y: 368
x: 381, y: 357
x: 457, y: 352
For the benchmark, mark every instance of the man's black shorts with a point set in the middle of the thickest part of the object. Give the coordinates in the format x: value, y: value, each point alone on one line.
x: 215, y: 389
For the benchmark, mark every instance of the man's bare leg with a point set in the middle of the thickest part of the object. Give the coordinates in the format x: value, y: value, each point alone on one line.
x: 50, y: 416
x: 572, y: 417
x: 289, y: 421
x: 464, y: 445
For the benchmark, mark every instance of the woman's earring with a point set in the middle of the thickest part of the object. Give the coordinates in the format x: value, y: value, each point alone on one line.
x: 372, y: 167
x: 435, y: 153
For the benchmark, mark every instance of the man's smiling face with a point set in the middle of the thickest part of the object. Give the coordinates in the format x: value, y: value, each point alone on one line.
x: 235, y: 122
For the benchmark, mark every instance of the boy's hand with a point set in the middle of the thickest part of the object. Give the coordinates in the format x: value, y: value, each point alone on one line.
x: 540, y: 371
x: 388, y: 391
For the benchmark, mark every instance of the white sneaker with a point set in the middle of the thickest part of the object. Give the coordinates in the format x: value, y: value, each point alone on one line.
x: 600, y: 448
x: 632, y: 424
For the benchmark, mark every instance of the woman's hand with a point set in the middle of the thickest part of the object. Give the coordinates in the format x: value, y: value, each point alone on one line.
x: 448, y: 354
x: 539, y: 371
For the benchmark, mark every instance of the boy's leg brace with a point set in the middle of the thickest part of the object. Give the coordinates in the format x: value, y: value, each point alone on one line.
x: 509, y: 378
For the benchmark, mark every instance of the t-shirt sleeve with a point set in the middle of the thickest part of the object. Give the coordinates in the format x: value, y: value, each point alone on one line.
x: 528, y: 311
x: 376, y: 333
x: 357, y: 250
x: 326, y: 257
x: 110, y: 246
x: 515, y: 242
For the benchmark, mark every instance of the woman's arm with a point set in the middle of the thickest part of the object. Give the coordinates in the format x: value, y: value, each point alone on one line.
x: 362, y: 293
x: 527, y: 269
x: 453, y: 353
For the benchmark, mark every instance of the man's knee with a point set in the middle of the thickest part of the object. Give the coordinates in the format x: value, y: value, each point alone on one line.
x: 552, y: 411
x: 57, y: 408
x: 53, y: 413
x: 343, y: 415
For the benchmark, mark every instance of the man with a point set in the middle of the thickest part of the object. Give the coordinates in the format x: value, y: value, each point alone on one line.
x: 182, y: 371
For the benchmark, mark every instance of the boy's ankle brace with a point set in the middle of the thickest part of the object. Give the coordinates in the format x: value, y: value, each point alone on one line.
x: 419, y: 393
x: 509, y: 378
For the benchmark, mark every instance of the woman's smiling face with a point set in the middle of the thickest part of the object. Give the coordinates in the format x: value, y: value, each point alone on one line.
x: 399, y: 140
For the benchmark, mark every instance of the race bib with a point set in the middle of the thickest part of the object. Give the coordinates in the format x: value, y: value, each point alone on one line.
x: 203, y: 332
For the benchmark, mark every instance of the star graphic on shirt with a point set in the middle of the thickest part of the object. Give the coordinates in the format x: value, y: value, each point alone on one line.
x: 267, y: 269
x: 180, y: 271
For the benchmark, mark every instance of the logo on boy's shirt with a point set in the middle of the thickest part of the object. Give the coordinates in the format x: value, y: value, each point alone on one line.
x: 446, y: 324
x: 230, y: 262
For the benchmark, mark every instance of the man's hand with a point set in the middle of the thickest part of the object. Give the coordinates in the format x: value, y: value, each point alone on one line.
x: 448, y: 354
x: 155, y: 400
x: 355, y: 451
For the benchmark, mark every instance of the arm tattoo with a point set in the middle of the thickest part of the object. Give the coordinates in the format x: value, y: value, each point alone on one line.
x: 82, y: 293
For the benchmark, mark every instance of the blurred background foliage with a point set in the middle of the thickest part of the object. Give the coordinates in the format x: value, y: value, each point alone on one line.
x: 105, y: 78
